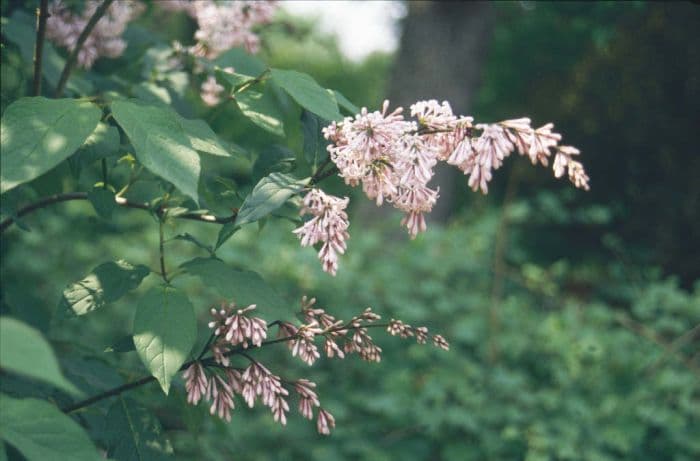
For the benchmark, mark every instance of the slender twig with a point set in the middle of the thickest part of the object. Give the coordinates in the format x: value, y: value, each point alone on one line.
x: 163, y: 273
x: 58, y: 198
x: 319, y: 171
x: 73, y: 58
x: 318, y: 177
x: 42, y: 15
x: 206, y: 362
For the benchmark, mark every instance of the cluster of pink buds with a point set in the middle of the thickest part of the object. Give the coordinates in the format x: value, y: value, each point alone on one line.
x: 234, y: 332
x: 403, y: 330
x: 394, y: 159
x: 63, y: 27
x: 224, y: 25
x: 329, y: 225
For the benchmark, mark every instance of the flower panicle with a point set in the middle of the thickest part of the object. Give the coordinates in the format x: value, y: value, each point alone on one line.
x: 235, y: 331
x: 393, y: 159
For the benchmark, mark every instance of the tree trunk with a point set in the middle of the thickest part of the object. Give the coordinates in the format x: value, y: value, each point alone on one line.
x: 443, y: 45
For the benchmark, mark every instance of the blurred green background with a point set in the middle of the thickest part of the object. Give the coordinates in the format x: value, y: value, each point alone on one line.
x: 573, y: 317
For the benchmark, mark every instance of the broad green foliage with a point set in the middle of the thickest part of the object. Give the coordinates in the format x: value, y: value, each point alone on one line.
x: 105, y: 284
x: 101, y: 143
x: 345, y: 103
x: 40, y: 431
x: 245, y: 287
x: 307, y: 93
x: 241, y: 61
x: 133, y: 433
x: 260, y: 106
x: 268, y: 195
x: 39, y: 133
x: 203, y: 138
x: 235, y: 80
x: 24, y: 351
x: 161, y: 143
x: 164, y: 332
x: 314, y: 142
x: 103, y: 200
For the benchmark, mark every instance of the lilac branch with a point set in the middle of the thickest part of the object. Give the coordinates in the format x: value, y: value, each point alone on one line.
x: 206, y: 362
x: 73, y: 58
x: 42, y: 15
x: 58, y: 198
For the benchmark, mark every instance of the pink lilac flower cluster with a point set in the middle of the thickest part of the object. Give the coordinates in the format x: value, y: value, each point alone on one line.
x: 211, y: 91
x: 225, y: 24
x: 394, y: 159
x: 234, y: 331
x: 63, y: 27
x: 328, y: 225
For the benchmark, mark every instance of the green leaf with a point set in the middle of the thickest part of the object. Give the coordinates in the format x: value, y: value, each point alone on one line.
x: 39, y: 431
x: 187, y: 237
x: 345, y: 103
x: 307, y: 93
x: 203, y: 138
x: 36, y: 134
x: 225, y: 233
x: 274, y: 158
x: 242, y: 286
x: 133, y: 433
x: 101, y: 143
x: 242, y: 61
x: 233, y: 79
x: 105, y: 284
x: 165, y: 330
x: 150, y: 92
x: 314, y: 143
x: 268, y: 195
x: 103, y: 201
x: 261, y: 108
x: 23, y: 350
x: 160, y: 143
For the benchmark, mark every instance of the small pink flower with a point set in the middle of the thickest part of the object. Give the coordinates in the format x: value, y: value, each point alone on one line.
x: 324, y: 422
x: 196, y: 383
x: 307, y: 397
x: 220, y: 395
x: 225, y: 25
x: 211, y: 91
x: 439, y: 341
x: 328, y: 225
x: 64, y: 27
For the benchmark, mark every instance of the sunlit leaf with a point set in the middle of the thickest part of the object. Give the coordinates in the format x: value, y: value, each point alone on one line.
x: 307, y: 93
x: 160, y: 143
x: 268, y: 195
x: 164, y: 332
x: 37, y: 133
x: 105, y: 284
x: 258, y: 104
